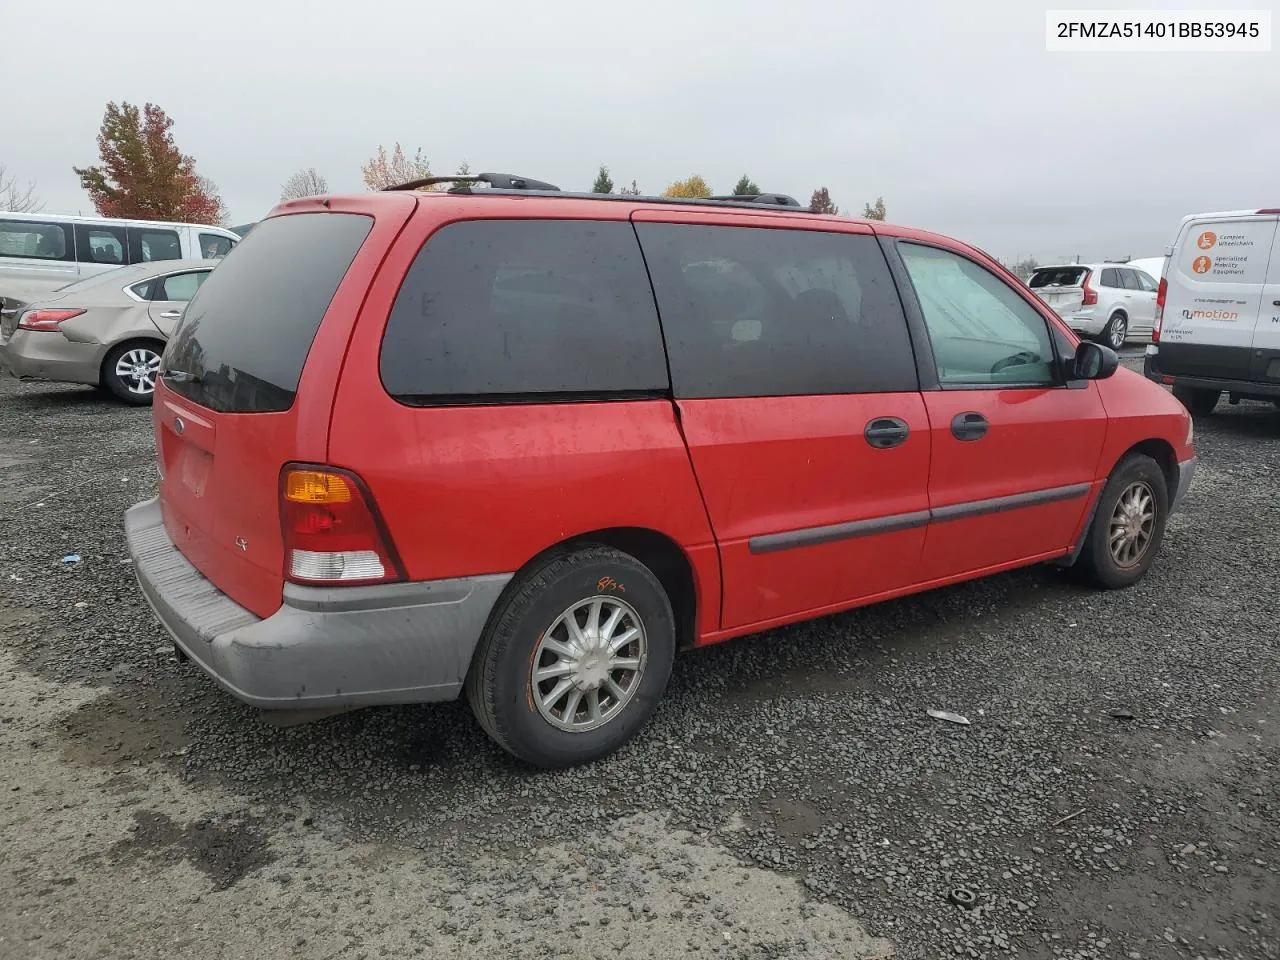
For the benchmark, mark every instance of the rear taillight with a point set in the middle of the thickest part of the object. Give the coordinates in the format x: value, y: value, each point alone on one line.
x: 1090, y: 295
x: 45, y: 321
x: 1161, y: 293
x: 332, y: 531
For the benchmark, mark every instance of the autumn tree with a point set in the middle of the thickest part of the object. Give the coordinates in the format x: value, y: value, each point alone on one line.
x: 464, y: 169
x: 820, y: 202
x: 384, y: 171
x: 694, y: 187
x: 17, y: 199
x: 746, y: 187
x: 143, y: 174
x: 876, y: 212
x: 604, y: 183
x: 631, y: 191
x: 304, y: 183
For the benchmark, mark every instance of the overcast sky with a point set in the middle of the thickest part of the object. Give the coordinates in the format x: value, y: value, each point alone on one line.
x: 953, y: 111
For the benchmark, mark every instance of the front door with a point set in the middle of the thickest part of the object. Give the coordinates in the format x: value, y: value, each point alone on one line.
x: 797, y: 393
x: 1014, y: 449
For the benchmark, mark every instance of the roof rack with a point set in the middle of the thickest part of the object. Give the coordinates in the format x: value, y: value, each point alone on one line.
x: 778, y: 199
x: 498, y: 181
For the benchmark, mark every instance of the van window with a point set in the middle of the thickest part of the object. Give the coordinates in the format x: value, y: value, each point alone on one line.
x: 36, y: 240
x: 100, y: 244
x: 241, y: 344
x: 982, y: 331
x: 148, y: 243
x: 214, y: 246
x: 523, y: 309
x: 758, y: 312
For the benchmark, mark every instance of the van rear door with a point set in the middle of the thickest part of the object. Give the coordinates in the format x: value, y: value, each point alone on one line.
x: 248, y: 378
x: 1215, y: 279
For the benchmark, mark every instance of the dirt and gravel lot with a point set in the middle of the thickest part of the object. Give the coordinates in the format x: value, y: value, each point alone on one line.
x: 1117, y: 794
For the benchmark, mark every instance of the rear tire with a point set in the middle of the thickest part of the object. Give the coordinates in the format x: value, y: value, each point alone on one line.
x: 130, y: 371
x: 607, y: 595
x: 1116, y: 331
x: 1128, y: 525
x: 1200, y: 402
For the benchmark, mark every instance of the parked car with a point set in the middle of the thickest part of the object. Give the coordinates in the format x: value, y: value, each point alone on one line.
x: 42, y: 252
x: 1108, y: 302
x: 526, y: 445
x: 107, y: 330
x: 1218, y: 319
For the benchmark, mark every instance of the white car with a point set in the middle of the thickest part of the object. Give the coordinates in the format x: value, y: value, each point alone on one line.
x: 1219, y: 321
x: 1108, y: 302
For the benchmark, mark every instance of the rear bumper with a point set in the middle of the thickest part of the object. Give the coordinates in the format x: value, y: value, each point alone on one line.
x: 326, y: 647
x: 1249, y: 389
x: 30, y: 355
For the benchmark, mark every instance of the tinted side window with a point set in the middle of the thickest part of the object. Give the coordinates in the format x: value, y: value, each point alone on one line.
x: 147, y: 244
x: 242, y: 343
x: 101, y: 244
x: 1147, y: 282
x: 36, y: 240
x: 1110, y: 278
x: 181, y: 286
x: 751, y: 311
x: 1129, y: 280
x: 982, y: 331
x: 521, y: 308
x: 214, y: 247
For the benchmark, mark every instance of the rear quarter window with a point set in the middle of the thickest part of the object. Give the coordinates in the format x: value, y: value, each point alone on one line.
x: 535, y: 310
x: 32, y: 239
x: 244, y: 338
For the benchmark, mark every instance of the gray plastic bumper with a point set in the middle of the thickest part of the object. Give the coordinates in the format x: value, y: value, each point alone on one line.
x: 326, y: 647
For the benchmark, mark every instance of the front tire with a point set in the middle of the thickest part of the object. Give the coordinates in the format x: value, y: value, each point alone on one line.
x: 130, y: 371
x: 1116, y: 331
x: 1200, y: 402
x: 1128, y: 525
x: 575, y: 658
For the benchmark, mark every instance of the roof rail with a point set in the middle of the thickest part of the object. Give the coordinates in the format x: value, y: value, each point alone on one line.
x: 779, y: 199
x: 499, y: 181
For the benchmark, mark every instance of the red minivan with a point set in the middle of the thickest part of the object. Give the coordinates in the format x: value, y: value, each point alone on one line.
x: 527, y: 444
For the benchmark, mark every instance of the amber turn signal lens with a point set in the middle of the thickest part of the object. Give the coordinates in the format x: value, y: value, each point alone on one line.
x: 315, y: 486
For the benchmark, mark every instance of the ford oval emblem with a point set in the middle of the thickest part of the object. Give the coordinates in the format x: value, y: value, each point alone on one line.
x: 178, y: 426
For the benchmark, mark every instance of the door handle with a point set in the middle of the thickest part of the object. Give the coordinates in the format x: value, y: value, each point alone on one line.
x: 171, y: 315
x: 885, y: 432
x: 969, y: 426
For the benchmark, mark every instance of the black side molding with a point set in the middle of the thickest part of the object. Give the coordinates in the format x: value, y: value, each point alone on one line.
x: 830, y: 533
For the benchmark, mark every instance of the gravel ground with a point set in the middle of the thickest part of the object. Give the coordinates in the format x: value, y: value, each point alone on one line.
x: 1117, y: 794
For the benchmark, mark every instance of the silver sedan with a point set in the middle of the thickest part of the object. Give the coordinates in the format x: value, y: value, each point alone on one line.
x: 107, y: 330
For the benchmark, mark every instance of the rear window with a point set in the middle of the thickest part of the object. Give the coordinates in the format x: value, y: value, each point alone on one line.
x: 243, y: 340
x: 537, y: 310
x: 39, y: 241
x: 1057, y: 277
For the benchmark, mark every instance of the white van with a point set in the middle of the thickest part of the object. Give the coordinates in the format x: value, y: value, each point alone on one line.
x: 1218, y: 310
x: 41, y: 252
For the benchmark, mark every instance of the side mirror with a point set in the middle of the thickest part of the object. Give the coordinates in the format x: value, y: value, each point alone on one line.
x: 1093, y: 361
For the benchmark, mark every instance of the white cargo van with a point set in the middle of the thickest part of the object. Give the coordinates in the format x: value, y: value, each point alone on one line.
x: 1218, y: 310
x: 40, y: 252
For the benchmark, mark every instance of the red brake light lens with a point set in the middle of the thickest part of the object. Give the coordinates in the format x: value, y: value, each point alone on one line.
x: 1090, y: 295
x: 332, y: 531
x: 45, y: 321
x: 1161, y: 293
